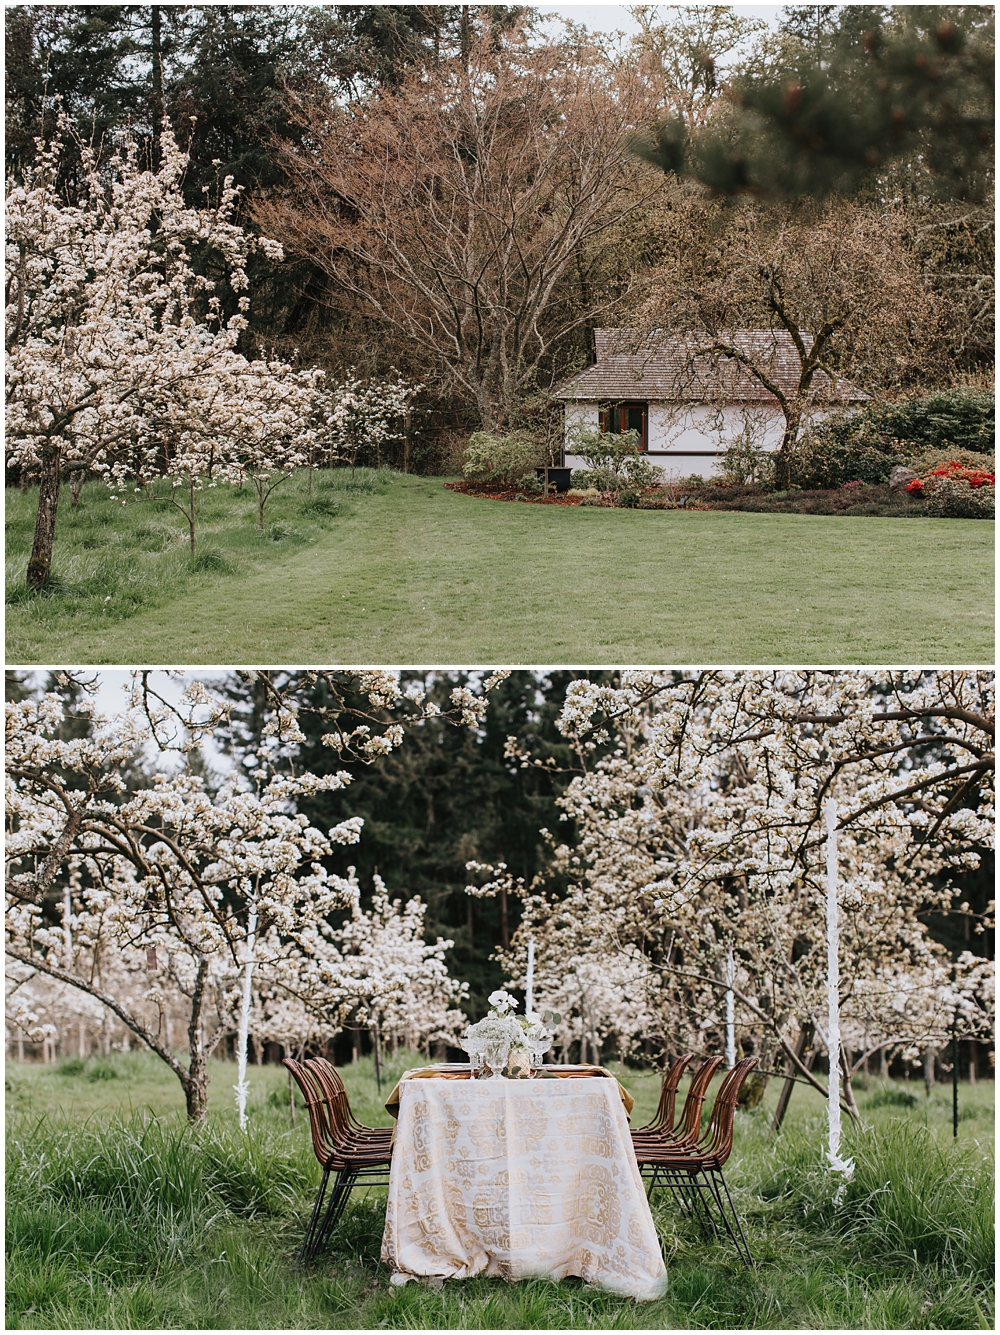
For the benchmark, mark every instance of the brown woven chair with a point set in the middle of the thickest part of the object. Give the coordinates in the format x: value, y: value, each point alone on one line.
x: 664, y: 1117
x: 688, y: 1129
x: 342, y: 1145
x: 693, y: 1171
x: 333, y: 1087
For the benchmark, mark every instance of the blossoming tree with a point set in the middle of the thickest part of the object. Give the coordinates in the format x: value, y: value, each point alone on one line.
x: 700, y: 840
x: 120, y: 360
x: 169, y: 883
x: 375, y: 972
x: 352, y: 418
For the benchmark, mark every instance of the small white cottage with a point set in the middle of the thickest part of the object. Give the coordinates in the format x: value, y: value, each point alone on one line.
x: 688, y: 409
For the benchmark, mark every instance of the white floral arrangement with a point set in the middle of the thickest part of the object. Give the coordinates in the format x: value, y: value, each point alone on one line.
x: 502, y: 1025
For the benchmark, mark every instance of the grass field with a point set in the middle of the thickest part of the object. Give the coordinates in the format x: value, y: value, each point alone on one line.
x: 394, y: 569
x: 119, y: 1216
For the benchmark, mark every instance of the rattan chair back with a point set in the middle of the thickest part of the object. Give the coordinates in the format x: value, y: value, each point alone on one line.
x: 689, y: 1132
x: 335, y: 1094
x: 718, y: 1143
x: 324, y: 1137
x: 664, y: 1118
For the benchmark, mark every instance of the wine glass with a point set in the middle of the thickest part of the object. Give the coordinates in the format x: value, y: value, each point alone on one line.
x: 496, y: 1054
x: 473, y: 1046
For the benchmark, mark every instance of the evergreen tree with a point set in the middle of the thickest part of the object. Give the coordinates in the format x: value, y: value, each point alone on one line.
x: 447, y: 796
x: 858, y: 89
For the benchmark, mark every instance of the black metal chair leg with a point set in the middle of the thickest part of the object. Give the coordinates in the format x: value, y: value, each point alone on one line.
x: 338, y: 1200
x: 311, y: 1228
x: 737, y: 1235
x: 698, y: 1207
x: 320, y: 1232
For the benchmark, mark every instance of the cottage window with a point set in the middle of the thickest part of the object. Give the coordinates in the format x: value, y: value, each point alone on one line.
x: 621, y: 417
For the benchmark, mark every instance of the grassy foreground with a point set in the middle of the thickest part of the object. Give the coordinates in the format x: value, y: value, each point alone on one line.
x: 119, y: 1216
x: 394, y: 569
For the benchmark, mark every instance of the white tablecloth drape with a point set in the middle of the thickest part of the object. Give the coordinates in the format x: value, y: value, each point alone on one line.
x: 519, y: 1178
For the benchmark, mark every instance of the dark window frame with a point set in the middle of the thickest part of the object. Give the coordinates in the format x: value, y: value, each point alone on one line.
x: 613, y: 418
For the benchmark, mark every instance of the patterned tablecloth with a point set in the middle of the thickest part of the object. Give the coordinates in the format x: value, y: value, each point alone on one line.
x: 519, y: 1178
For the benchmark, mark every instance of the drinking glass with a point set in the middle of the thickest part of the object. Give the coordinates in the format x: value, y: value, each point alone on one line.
x: 496, y: 1054
x: 472, y: 1047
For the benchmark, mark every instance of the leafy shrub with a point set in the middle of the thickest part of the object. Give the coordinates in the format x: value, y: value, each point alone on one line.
x: 505, y: 460
x: 953, y: 490
x: 825, y: 458
x: 927, y: 460
x: 953, y: 471
x: 949, y: 498
x: 864, y: 444
x: 628, y: 498
x: 746, y: 463
x: 890, y: 1096
x: 962, y: 418
x: 615, y: 461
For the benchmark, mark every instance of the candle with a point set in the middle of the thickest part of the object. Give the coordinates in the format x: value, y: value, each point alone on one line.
x: 529, y: 999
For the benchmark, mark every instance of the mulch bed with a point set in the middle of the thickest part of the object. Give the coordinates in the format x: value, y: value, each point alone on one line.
x: 486, y: 492
x: 862, y: 500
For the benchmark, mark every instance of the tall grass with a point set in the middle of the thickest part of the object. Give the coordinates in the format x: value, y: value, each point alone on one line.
x: 132, y: 1219
x: 112, y: 561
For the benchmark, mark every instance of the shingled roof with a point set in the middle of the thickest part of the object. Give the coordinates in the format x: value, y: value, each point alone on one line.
x: 661, y: 368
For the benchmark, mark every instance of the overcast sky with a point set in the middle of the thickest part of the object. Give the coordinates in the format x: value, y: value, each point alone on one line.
x: 612, y: 18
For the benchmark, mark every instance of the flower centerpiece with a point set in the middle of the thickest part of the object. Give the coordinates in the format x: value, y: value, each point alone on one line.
x: 505, y: 1041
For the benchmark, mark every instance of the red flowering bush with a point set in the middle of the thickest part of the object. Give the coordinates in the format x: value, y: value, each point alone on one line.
x: 953, y: 471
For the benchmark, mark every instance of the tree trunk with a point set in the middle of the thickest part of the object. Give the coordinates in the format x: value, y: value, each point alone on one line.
x: 929, y: 1055
x: 40, y: 562
x: 804, y: 1040
x: 159, y: 105
x: 972, y: 1061
x: 504, y: 935
x: 76, y: 480
x: 191, y: 514
x: 783, y: 458
x: 196, y: 1091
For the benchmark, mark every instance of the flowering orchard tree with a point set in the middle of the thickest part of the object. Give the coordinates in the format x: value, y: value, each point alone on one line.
x: 174, y: 891
x: 252, y: 424
x: 119, y: 358
x: 353, y: 418
x: 272, y: 435
x: 376, y: 972
x: 169, y: 877
x: 702, y: 833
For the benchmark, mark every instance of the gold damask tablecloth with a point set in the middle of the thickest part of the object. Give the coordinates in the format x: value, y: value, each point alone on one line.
x: 519, y: 1178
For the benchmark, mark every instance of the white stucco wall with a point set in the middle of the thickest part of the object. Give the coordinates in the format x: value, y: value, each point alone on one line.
x: 690, y: 438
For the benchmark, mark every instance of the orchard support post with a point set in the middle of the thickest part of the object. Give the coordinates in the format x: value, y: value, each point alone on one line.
x: 837, y: 1164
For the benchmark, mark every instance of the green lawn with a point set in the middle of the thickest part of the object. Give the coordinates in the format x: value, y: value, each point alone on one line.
x: 400, y: 570
x: 120, y: 1217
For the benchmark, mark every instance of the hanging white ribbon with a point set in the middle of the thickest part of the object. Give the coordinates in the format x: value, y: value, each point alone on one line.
x: 241, y: 1086
x: 730, y: 1011
x: 837, y: 1164
x: 529, y: 992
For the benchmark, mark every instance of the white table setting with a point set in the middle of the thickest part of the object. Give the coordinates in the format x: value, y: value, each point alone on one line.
x: 509, y: 1168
